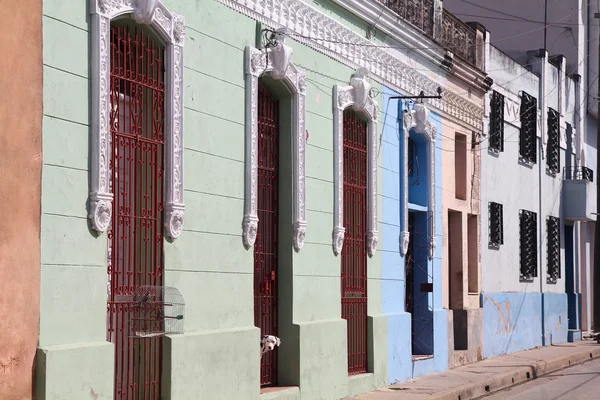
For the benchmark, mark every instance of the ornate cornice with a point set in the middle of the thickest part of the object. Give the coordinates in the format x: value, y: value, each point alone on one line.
x: 307, y: 25
x: 355, y: 95
x: 274, y: 62
x: 171, y: 28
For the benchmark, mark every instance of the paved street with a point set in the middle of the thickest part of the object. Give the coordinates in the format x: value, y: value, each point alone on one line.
x: 580, y: 382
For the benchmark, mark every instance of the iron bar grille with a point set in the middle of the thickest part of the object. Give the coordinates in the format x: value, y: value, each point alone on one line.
x: 458, y: 37
x: 418, y: 13
x: 354, y: 252
x: 553, y: 249
x: 528, y: 244
x: 497, y: 122
x: 553, y: 159
x: 266, y: 245
x: 496, y: 224
x: 411, y: 156
x: 528, y: 137
x: 578, y: 173
x: 137, y: 99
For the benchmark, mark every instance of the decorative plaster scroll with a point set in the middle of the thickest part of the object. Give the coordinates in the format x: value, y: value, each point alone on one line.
x: 311, y: 27
x: 418, y: 120
x: 274, y: 62
x: 356, y: 96
x: 171, y: 28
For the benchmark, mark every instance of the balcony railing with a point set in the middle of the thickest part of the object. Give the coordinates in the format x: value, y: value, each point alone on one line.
x: 578, y: 173
x: 458, y: 37
x: 416, y: 12
x: 453, y: 34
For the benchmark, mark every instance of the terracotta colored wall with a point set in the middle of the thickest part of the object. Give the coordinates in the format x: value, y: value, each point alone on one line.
x: 20, y: 177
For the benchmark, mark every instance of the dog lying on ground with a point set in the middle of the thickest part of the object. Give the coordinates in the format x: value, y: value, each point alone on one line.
x: 268, y: 343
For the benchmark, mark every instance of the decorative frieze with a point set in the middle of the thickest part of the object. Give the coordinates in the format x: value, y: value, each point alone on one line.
x: 309, y: 26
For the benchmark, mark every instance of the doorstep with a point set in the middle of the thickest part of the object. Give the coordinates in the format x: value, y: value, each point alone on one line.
x: 488, y: 376
x: 280, y: 393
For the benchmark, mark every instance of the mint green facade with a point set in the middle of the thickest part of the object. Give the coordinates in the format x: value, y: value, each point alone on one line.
x: 218, y: 356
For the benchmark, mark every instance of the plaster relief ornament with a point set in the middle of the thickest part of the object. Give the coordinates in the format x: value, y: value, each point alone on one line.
x: 144, y: 12
x: 355, y: 95
x: 404, y: 242
x: 275, y: 61
x: 421, y: 119
x: 170, y: 27
x: 418, y: 120
x: 409, y: 121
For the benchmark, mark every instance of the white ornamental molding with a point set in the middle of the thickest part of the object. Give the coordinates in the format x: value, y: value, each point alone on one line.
x: 274, y: 62
x: 418, y: 120
x: 311, y: 27
x: 356, y: 95
x: 171, y: 28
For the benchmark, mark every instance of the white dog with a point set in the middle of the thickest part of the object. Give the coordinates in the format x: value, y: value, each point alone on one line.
x: 268, y: 343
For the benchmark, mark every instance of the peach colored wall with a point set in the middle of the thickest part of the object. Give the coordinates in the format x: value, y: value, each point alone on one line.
x: 471, y: 205
x: 20, y: 177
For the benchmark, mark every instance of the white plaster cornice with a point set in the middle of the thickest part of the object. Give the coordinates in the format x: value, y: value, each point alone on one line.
x: 355, y: 95
x: 171, y: 28
x: 274, y: 62
x: 374, y: 11
x: 307, y: 25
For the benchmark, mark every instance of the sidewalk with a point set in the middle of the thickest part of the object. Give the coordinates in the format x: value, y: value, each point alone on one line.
x: 487, y: 376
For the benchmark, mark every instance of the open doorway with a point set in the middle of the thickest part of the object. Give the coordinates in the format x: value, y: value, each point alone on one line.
x: 419, y: 284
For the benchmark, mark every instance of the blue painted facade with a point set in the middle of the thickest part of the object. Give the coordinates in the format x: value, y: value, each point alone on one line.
x: 511, y: 321
x: 432, y: 343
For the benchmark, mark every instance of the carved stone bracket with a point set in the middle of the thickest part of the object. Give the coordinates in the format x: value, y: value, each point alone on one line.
x: 171, y: 28
x: 356, y: 95
x: 274, y: 62
x: 418, y: 120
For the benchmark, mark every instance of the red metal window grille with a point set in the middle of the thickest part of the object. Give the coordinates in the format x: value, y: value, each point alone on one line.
x: 135, y: 236
x: 265, y: 247
x: 354, y: 252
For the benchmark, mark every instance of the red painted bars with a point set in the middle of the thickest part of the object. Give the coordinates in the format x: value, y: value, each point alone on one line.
x: 266, y: 245
x: 135, y: 236
x: 354, y: 252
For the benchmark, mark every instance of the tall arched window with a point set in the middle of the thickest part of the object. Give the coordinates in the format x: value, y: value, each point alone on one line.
x: 354, y: 252
x: 137, y: 98
x: 136, y: 172
x: 267, y: 238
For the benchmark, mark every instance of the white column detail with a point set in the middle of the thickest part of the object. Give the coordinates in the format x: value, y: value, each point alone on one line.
x: 171, y: 28
x: 418, y: 120
x: 274, y: 62
x: 357, y: 96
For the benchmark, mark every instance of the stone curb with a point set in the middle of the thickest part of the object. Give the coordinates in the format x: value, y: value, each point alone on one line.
x: 516, y: 375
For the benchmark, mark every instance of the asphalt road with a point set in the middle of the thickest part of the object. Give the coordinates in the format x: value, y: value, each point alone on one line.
x: 580, y: 382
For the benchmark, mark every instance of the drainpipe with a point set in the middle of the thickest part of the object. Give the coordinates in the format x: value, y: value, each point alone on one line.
x: 541, y: 169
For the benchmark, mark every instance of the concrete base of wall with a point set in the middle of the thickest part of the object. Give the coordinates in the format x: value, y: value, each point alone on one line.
x: 513, y: 321
x: 555, y: 318
x: 78, y: 371
x: 217, y: 364
x: 313, y: 356
x: 467, y: 337
x: 574, y: 336
x: 439, y: 361
x: 378, y: 355
x: 401, y: 365
x: 399, y: 357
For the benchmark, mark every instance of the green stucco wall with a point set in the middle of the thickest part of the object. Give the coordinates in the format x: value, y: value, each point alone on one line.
x: 217, y: 357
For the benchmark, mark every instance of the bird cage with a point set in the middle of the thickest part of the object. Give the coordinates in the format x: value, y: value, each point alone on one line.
x: 157, y: 310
